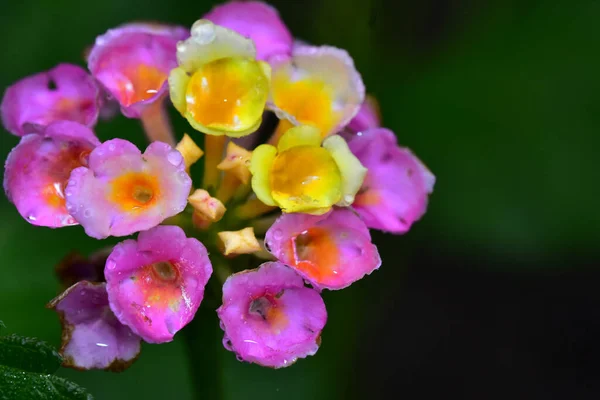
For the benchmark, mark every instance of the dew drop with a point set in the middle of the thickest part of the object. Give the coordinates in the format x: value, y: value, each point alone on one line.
x: 278, y: 234
x: 239, y: 358
x: 174, y: 157
x: 111, y: 147
x: 111, y: 265
x: 227, y: 343
x: 101, y: 345
x: 348, y: 198
x: 183, y: 176
x: 181, y: 47
x: 203, y: 32
x: 31, y: 217
x: 87, y: 213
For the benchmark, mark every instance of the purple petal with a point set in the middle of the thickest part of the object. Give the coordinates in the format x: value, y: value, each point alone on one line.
x: 331, y: 251
x: 257, y: 21
x: 396, y: 189
x: 92, y: 337
x: 66, y: 92
x: 269, y: 317
x: 156, y: 284
x: 38, y: 168
x: 133, y: 62
x: 123, y: 191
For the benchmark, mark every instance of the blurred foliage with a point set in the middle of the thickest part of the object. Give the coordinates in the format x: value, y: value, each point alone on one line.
x: 498, y: 98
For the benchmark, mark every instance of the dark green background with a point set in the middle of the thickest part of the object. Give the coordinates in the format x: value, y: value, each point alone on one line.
x: 499, y: 98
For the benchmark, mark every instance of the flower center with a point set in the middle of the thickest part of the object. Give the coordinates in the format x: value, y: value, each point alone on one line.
x: 229, y: 93
x: 305, y: 177
x: 270, y: 310
x: 135, y: 191
x: 316, y: 253
x: 69, y: 156
x: 165, y: 271
x: 140, y: 83
x: 310, y: 101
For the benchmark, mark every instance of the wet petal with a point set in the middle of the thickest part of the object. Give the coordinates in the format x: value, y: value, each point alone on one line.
x: 260, y: 167
x: 133, y: 62
x: 331, y: 251
x: 269, y: 317
x: 66, y: 92
x: 219, y: 87
x: 351, y: 170
x: 92, y: 337
x: 156, y: 284
x: 257, y: 21
x: 396, y: 189
x: 319, y: 86
x: 123, y: 191
x: 38, y: 168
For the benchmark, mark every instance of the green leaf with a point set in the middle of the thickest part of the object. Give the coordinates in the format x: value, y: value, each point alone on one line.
x: 28, y: 354
x: 21, y: 385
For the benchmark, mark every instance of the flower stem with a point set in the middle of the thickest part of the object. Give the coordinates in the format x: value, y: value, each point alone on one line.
x: 213, y: 154
x: 156, y: 123
x: 203, y: 339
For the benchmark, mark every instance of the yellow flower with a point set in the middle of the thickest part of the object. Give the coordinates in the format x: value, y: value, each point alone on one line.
x: 300, y: 175
x: 219, y: 86
x: 318, y: 86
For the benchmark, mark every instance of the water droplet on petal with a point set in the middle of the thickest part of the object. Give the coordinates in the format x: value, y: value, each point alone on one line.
x: 348, y: 198
x: 31, y: 217
x: 111, y: 147
x: 240, y: 359
x: 87, y: 213
x: 278, y: 234
x: 183, y: 176
x: 174, y: 157
x: 227, y: 343
x: 203, y: 32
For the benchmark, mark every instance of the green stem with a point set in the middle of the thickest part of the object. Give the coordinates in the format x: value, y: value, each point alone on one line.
x: 203, y: 338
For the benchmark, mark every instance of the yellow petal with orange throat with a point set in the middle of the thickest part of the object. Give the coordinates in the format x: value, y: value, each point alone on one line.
x: 309, y: 100
x: 227, y: 96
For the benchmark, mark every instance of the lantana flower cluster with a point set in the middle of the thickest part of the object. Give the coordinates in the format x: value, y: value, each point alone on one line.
x: 303, y: 203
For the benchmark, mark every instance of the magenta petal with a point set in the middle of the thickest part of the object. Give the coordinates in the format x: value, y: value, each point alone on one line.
x: 396, y: 189
x: 368, y: 116
x: 92, y: 337
x: 66, y: 92
x: 331, y: 251
x: 156, y: 284
x: 257, y: 21
x: 269, y: 317
x: 123, y: 191
x: 133, y: 62
x: 38, y: 168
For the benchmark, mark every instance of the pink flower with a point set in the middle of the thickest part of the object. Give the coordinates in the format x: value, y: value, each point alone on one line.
x: 92, y: 337
x: 395, y: 191
x: 38, y: 168
x: 66, y: 92
x: 123, y: 191
x: 156, y: 284
x: 133, y: 62
x: 257, y: 21
x: 269, y: 317
x: 330, y: 251
x: 368, y: 116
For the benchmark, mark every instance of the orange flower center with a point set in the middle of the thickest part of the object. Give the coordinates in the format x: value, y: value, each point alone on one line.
x: 135, y: 191
x: 316, y: 254
x: 141, y: 82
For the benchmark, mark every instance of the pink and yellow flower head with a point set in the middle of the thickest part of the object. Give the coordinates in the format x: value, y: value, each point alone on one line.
x: 300, y: 175
x: 156, y: 284
x: 257, y: 21
x: 133, y: 62
x: 219, y: 86
x: 319, y: 86
x: 92, y: 337
x: 38, y: 168
x: 66, y: 92
x: 122, y: 191
x: 269, y: 317
x: 397, y: 186
x: 331, y: 251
